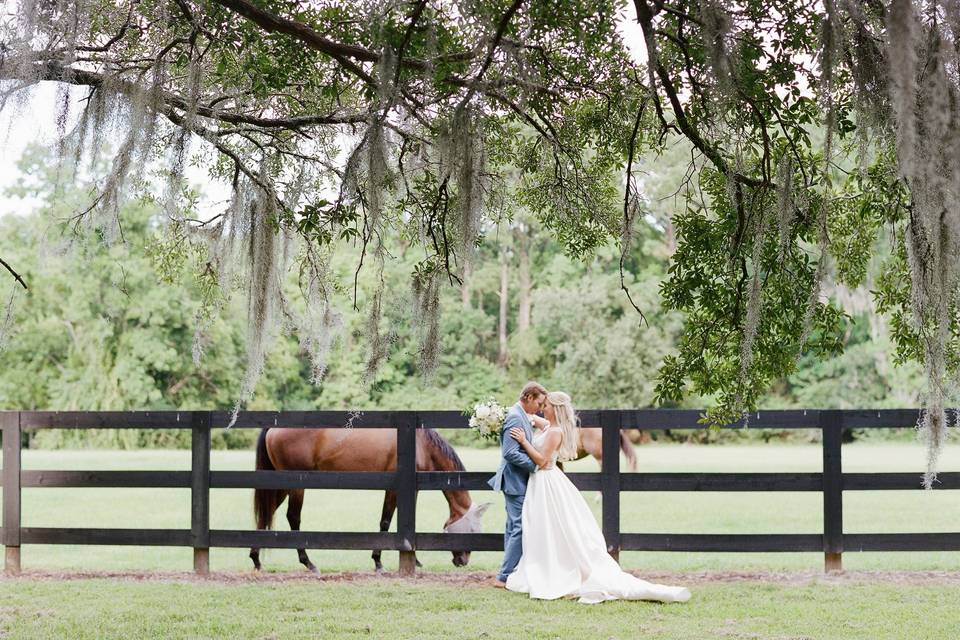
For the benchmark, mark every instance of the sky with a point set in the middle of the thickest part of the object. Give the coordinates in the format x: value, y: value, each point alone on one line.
x: 35, y: 123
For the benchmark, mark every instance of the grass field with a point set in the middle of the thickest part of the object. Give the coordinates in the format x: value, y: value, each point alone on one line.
x: 53, y: 600
x: 817, y: 609
x: 640, y: 512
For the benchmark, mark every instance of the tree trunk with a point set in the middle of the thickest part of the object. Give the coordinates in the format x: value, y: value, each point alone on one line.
x: 523, y: 274
x: 504, y: 292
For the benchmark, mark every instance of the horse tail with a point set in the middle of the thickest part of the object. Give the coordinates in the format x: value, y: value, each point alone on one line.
x: 627, y: 447
x: 265, y: 501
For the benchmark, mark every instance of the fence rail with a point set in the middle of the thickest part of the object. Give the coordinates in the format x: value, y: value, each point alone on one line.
x: 407, y: 481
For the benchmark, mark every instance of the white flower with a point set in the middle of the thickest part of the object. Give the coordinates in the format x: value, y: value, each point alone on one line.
x: 487, y: 419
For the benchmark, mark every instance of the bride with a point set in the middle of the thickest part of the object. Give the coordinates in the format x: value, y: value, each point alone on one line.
x: 564, y: 552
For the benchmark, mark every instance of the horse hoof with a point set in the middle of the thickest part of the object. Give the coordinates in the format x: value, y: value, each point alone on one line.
x: 312, y: 568
x: 378, y: 571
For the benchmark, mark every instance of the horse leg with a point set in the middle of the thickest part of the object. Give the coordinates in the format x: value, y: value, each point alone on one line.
x: 626, y: 445
x: 389, y: 506
x: 265, y: 501
x: 293, y: 517
x: 269, y: 502
x: 598, y: 454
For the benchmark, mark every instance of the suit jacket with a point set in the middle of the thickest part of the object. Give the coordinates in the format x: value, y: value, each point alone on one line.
x: 516, y: 466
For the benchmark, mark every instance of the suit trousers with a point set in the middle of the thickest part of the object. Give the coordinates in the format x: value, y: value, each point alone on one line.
x: 512, y: 535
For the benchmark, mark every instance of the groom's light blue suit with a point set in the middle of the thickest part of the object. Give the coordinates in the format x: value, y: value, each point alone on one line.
x: 511, y: 478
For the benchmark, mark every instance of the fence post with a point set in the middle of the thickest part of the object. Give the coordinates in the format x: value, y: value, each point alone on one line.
x: 406, y: 425
x: 610, y: 480
x: 10, y: 422
x: 831, y: 425
x: 200, y: 491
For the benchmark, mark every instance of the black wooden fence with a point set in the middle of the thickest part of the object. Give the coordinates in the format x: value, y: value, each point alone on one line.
x: 832, y: 482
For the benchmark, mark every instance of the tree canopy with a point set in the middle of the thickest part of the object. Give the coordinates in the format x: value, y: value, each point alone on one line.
x: 778, y: 210
x: 816, y: 129
x: 342, y: 122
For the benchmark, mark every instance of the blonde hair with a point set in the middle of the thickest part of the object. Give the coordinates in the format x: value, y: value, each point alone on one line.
x: 567, y: 421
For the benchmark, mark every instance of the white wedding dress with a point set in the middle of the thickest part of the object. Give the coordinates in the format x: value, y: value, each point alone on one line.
x: 564, y: 552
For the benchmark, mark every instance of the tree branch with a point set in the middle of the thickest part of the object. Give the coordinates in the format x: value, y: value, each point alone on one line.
x: 116, y: 38
x: 501, y: 29
x: 627, y: 219
x: 13, y: 273
x: 645, y: 17
x: 346, y: 55
x: 273, y: 23
x: 57, y: 72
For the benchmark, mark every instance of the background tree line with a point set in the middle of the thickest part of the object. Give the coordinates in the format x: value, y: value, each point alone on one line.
x: 110, y: 325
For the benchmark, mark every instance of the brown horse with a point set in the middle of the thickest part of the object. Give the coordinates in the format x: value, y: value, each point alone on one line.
x: 591, y: 444
x: 354, y: 450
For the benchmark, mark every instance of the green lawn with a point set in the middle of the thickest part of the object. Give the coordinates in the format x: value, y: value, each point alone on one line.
x: 646, y: 512
x: 389, y: 608
x: 449, y: 603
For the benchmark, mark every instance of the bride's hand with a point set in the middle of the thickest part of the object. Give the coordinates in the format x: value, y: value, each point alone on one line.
x: 538, y: 422
x: 517, y: 434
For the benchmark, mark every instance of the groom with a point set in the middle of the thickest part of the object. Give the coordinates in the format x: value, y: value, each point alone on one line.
x: 515, y: 467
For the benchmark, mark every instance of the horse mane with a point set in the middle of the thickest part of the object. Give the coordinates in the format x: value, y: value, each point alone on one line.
x: 444, y: 448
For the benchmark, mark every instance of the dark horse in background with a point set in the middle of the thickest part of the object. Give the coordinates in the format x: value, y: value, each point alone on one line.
x: 354, y: 450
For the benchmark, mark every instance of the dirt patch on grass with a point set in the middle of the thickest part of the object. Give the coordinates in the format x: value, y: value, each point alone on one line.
x: 797, y: 578
x: 474, y: 579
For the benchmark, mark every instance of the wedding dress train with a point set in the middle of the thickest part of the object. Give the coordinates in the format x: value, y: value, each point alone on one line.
x: 564, y: 552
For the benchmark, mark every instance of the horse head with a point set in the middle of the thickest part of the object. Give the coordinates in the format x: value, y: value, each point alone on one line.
x: 469, y: 522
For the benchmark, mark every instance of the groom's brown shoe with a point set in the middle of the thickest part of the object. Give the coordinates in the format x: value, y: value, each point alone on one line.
x: 493, y: 582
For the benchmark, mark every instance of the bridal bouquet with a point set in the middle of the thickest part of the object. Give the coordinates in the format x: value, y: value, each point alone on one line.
x: 487, y: 419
